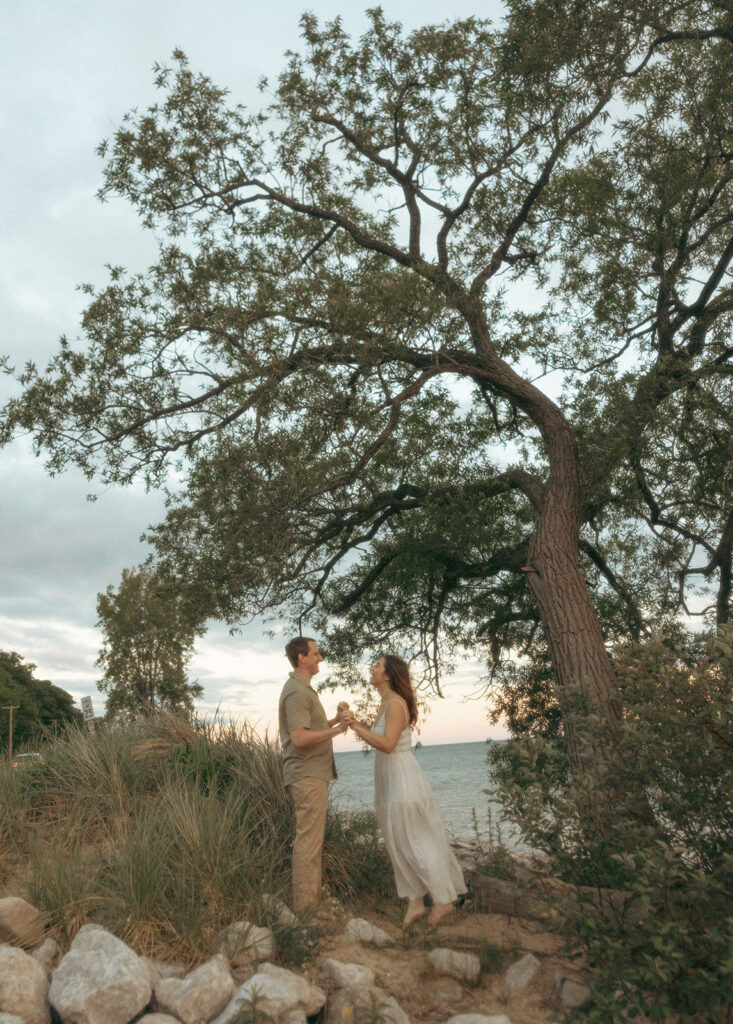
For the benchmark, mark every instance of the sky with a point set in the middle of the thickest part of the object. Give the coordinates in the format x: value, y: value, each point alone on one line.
x: 68, y: 73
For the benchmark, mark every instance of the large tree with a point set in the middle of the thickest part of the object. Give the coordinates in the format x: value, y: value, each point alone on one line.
x: 416, y: 327
x: 148, y: 643
x: 38, y: 704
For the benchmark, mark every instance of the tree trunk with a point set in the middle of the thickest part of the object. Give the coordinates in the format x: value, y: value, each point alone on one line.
x: 724, y: 556
x: 571, y: 625
x: 569, y: 619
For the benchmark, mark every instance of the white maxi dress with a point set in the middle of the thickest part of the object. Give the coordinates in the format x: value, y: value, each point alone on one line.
x: 412, y: 825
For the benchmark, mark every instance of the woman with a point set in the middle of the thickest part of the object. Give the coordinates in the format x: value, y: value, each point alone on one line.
x: 406, y: 808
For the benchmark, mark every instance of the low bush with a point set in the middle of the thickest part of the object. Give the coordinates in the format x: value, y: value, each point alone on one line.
x: 645, y: 836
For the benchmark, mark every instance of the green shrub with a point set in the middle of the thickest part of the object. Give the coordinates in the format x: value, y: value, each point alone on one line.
x: 653, y: 823
x: 355, y: 863
x: 496, y: 858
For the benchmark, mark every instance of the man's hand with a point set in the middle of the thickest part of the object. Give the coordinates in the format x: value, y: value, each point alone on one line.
x: 342, y: 708
x: 305, y: 738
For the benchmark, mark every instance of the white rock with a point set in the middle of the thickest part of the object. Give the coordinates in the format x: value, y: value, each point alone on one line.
x: 166, y: 970
x: 202, y: 994
x: 277, y: 992
x: 47, y: 954
x: 574, y: 995
x: 23, y: 986
x: 20, y: 923
x: 295, y: 1017
x: 352, y: 977
x: 278, y: 912
x: 243, y: 940
x: 10, y: 1018
x: 100, y: 980
x: 360, y: 929
x: 165, y: 992
x: 153, y: 973
x: 392, y: 1013
x: 521, y: 973
x: 344, y: 1007
x: 158, y: 1018
x: 463, y: 966
x: 479, y: 1018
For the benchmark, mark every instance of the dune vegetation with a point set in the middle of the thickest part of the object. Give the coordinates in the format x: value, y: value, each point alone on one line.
x: 165, y: 832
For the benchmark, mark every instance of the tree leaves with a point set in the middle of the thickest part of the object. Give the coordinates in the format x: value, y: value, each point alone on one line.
x: 469, y: 269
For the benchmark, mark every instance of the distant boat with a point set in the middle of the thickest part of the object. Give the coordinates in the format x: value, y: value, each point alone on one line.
x: 418, y: 744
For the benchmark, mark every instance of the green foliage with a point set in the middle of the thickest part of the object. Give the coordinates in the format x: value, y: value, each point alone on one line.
x: 148, y: 642
x: 62, y: 885
x: 496, y: 860
x: 371, y: 1014
x: 296, y: 943
x: 521, y: 695
x: 39, y: 705
x: 369, y: 870
x: 644, y: 835
x: 167, y: 848
x: 340, y: 349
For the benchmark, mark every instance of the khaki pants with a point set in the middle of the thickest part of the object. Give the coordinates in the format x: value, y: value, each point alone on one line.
x: 310, y: 797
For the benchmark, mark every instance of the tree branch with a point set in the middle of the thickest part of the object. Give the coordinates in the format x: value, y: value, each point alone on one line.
x: 616, y: 584
x: 520, y: 218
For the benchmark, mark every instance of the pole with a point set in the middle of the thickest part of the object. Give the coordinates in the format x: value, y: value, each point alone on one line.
x: 11, y: 708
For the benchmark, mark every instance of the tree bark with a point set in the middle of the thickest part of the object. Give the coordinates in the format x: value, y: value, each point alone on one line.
x: 569, y: 619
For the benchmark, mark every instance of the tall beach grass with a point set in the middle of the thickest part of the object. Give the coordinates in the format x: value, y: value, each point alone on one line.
x: 165, y: 832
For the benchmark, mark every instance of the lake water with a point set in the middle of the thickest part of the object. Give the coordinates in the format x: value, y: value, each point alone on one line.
x: 458, y: 774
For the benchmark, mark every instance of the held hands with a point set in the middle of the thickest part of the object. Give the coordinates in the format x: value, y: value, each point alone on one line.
x: 342, y: 713
x: 345, y: 715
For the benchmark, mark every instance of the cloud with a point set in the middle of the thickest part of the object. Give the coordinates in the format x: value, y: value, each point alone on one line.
x: 69, y: 73
x: 60, y: 550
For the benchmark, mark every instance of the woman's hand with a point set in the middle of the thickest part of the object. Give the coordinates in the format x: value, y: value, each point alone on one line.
x: 342, y: 709
x: 394, y: 726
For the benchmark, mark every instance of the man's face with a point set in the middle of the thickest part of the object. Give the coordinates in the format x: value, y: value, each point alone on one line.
x: 311, y: 661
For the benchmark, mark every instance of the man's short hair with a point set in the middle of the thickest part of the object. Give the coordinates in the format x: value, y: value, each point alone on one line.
x: 298, y: 645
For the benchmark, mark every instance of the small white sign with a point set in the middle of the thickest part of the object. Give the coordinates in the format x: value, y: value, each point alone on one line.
x: 86, y: 709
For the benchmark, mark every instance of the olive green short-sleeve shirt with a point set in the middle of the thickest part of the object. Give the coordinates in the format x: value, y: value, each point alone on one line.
x: 300, y: 708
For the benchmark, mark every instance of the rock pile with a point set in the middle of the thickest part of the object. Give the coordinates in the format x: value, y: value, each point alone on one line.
x: 100, y: 980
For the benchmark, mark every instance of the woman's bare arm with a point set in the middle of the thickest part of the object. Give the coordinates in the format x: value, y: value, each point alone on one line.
x: 394, y: 723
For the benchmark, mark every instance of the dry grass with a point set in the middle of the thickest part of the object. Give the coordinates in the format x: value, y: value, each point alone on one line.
x: 165, y: 832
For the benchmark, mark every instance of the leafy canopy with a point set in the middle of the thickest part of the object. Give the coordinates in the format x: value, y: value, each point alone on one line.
x: 440, y: 281
x: 147, y: 644
x: 39, y: 705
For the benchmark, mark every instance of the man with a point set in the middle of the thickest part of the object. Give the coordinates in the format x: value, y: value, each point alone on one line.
x: 306, y: 735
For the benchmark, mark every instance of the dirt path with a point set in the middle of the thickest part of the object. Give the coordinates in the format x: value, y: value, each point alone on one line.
x: 404, y: 971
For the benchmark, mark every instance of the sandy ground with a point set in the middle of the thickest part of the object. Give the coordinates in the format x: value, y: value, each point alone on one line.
x: 403, y: 970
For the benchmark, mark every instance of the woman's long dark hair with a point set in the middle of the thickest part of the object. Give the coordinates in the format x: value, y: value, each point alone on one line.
x: 398, y: 673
